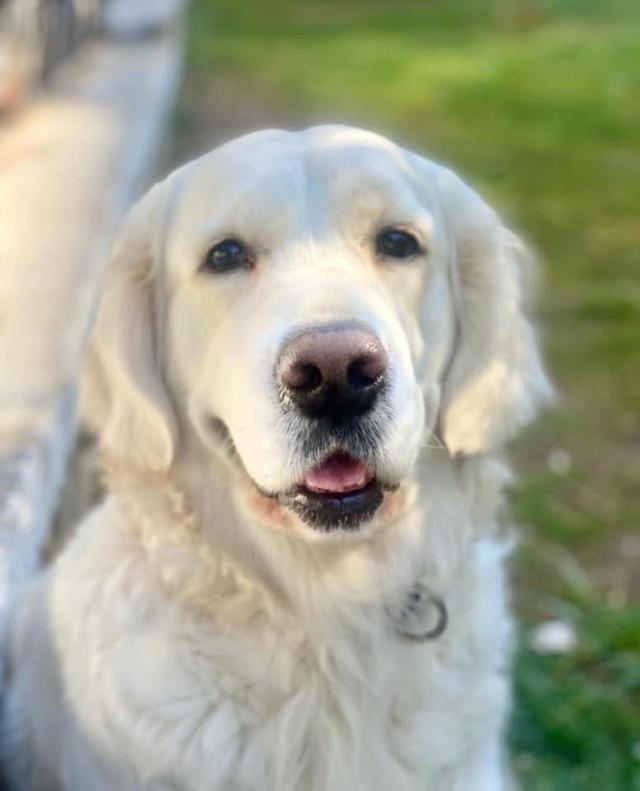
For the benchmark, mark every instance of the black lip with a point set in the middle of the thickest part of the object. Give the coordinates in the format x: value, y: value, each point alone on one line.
x: 328, y: 512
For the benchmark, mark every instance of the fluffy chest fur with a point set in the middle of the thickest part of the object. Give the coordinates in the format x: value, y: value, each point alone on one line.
x: 181, y: 671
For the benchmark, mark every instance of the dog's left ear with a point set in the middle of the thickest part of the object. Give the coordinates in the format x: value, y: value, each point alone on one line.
x: 123, y: 394
x: 495, y: 381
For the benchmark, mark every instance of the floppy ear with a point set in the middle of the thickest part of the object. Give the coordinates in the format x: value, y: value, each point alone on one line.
x: 495, y: 382
x: 123, y: 394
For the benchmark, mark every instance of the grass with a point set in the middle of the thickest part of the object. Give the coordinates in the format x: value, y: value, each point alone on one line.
x: 538, y: 104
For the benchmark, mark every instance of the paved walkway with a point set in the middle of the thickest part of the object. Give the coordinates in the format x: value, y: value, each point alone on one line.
x: 70, y: 165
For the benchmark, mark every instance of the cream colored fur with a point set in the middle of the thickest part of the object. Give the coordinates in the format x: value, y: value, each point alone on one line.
x: 194, y: 634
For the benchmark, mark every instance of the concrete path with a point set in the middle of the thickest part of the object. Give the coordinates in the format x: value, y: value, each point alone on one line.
x: 70, y: 166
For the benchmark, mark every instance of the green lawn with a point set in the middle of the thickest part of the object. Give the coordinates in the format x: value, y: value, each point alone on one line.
x: 538, y: 104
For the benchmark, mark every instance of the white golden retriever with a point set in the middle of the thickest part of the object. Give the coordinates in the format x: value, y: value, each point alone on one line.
x: 310, y: 351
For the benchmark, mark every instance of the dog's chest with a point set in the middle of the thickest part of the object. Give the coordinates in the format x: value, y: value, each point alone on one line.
x: 269, y: 708
x: 248, y: 698
x: 335, y: 717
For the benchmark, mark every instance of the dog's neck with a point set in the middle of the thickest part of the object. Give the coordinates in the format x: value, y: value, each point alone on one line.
x: 318, y: 578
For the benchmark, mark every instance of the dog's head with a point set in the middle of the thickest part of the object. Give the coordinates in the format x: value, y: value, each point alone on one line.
x: 326, y: 304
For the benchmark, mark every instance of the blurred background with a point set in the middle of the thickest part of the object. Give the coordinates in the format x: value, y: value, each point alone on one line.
x: 537, y: 104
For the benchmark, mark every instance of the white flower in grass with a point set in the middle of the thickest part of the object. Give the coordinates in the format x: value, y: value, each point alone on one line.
x: 553, y: 637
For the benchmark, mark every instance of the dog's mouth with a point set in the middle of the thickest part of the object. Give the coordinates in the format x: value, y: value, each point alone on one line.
x: 340, y: 493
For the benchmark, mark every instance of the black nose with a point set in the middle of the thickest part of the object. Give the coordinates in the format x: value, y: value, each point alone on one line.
x: 332, y: 372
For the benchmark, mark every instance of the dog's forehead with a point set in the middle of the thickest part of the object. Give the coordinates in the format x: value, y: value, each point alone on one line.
x: 268, y: 185
x: 281, y: 161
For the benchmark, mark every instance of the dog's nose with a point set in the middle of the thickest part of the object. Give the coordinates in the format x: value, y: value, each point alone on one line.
x: 335, y: 372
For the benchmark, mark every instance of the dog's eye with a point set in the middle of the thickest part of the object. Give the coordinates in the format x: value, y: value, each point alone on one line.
x: 394, y: 243
x: 227, y: 255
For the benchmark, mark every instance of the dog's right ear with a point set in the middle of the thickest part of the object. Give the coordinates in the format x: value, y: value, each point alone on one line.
x: 123, y: 395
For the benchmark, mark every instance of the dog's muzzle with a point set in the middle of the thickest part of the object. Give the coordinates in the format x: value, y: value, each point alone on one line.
x: 330, y: 378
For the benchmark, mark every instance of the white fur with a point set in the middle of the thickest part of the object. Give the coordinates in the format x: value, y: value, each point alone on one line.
x: 194, y: 635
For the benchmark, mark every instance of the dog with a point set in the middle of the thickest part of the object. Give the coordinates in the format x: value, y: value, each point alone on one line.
x: 310, y: 352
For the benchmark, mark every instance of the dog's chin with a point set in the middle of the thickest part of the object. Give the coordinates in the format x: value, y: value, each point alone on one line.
x: 328, y: 511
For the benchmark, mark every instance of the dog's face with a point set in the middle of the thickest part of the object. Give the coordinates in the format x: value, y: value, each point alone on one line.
x: 294, y: 274
x: 327, y: 305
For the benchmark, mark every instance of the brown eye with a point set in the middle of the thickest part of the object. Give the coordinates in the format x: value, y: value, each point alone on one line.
x: 394, y: 243
x: 227, y: 255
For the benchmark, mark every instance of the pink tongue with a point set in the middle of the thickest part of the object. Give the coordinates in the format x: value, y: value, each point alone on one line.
x: 339, y: 473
